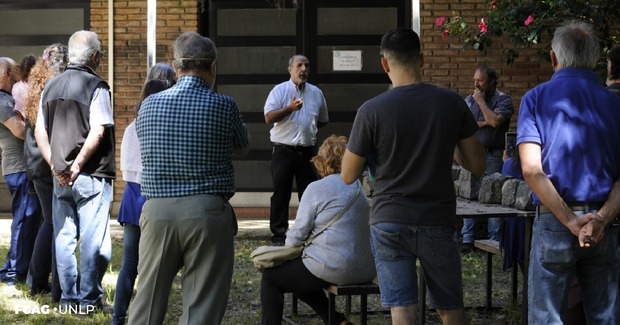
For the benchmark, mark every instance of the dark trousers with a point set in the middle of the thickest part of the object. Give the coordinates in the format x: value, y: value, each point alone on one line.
x: 128, y: 273
x: 288, y: 163
x: 43, y: 260
x: 26, y: 221
x: 292, y: 277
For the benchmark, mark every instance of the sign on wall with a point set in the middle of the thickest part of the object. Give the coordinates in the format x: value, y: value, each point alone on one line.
x: 347, y: 60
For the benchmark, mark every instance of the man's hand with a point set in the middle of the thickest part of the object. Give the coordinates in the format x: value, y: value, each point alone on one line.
x: 67, y: 177
x: 73, y: 172
x: 64, y: 178
x: 478, y: 95
x: 577, y: 222
x: 592, y: 232
x: 296, y: 104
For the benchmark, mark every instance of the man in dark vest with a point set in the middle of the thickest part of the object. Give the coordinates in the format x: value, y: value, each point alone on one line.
x: 75, y: 133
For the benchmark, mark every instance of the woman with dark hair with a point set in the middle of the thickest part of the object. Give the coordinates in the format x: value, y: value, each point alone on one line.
x: 53, y: 62
x: 339, y: 255
x: 20, y: 88
x: 162, y: 71
x: 132, y: 200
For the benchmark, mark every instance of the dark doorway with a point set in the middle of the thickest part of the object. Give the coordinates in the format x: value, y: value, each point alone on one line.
x: 256, y: 38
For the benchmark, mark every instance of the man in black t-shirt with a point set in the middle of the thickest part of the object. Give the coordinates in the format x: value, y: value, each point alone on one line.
x: 411, y: 131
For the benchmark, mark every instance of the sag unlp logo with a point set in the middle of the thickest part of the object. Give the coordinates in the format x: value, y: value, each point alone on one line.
x: 47, y: 309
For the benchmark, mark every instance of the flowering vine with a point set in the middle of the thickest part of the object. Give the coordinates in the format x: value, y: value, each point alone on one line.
x: 524, y: 22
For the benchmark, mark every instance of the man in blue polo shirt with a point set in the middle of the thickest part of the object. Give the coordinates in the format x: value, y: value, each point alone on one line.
x: 569, y: 143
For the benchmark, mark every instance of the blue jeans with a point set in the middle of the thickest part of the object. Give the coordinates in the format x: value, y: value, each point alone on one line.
x: 396, y: 247
x: 494, y: 165
x: 127, y: 275
x: 82, y: 211
x: 556, y: 258
x: 495, y: 161
x: 469, y: 225
x: 26, y: 221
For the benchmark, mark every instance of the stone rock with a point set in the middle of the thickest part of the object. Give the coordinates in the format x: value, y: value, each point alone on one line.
x: 491, y: 188
x: 456, y: 173
x: 468, y: 185
x: 523, y: 198
x: 509, y: 192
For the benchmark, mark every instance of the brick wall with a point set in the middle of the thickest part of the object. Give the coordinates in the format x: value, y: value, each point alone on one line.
x: 448, y: 64
x: 130, y: 32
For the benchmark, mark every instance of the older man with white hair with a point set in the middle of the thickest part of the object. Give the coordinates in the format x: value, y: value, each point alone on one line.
x: 75, y: 133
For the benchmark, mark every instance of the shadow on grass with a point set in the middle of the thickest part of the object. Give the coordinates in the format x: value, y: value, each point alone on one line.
x: 18, y: 307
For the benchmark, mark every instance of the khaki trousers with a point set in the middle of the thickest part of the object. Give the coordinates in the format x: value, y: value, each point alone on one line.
x: 192, y: 231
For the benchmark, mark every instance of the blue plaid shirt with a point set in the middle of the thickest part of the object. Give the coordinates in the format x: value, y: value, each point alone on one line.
x: 187, y: 134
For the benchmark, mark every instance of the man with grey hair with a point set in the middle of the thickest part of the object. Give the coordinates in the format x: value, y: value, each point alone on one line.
x: 297, y: 110
x: 188, y: 135
x: 75, y: 133
x: 24, y: 204
x: 569, y: 144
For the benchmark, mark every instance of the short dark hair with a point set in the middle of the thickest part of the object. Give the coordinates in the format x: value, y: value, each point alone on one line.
x: 401, y: 45
x: 491, y: 74
x: 614, y: 57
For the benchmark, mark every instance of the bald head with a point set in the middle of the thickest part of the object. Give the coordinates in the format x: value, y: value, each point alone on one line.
x: 6, y: 62
x: 7, y: 74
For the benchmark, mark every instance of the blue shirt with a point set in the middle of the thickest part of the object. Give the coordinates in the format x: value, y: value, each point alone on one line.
x: 512, y: 168
x: 490, y: 137
x: 575, y: 121
x: 187, y: 134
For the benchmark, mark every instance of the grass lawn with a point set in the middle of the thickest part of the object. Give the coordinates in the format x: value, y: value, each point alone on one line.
x: 244, y: 300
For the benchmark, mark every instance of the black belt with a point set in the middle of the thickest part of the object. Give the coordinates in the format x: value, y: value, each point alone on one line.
x: 493, y: 149
x: 575, y: 206
x: 277, y: 144
x: 585, y: 207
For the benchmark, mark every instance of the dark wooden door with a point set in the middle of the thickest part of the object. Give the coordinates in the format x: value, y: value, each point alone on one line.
x: 256, y: 38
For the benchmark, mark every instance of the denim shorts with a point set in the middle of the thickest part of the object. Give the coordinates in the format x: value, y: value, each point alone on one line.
x: 397, y: 247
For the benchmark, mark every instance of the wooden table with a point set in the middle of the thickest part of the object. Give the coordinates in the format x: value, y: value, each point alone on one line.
x: 474, y: 209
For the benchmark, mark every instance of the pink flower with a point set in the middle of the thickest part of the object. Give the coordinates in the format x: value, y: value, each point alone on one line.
x: 493, y: 4
x: 482, y: 26
x: 445, y: 32
x: 529, y: 20
x: 440, y: 21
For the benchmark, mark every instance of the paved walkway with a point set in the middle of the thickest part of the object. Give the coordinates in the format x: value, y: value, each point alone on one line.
x: 248, y: 228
